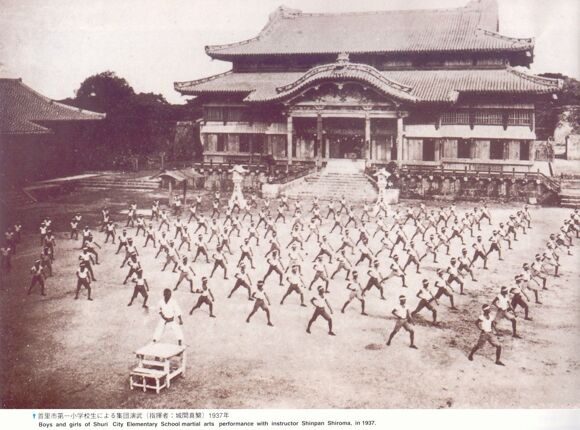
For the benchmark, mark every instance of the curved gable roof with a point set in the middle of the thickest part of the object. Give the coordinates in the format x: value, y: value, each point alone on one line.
x: 346, y: 71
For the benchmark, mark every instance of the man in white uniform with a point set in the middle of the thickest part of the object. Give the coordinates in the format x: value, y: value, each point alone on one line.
x: 170, y: 317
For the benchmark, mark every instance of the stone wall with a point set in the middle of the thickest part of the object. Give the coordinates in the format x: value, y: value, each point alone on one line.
x: 573, y: 147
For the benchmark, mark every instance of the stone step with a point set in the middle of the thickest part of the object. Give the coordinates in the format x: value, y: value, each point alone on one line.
x: 337, y: 178
x: 570, y: 191
x: 124, y: 182
x: 570, y: 183
x: 570, y: 198
x: 357, y: 197
x: 13, y: 199
x: 108, y: 187
x: 337, y: 184
x: 340, y: 177
x: 119, y: 186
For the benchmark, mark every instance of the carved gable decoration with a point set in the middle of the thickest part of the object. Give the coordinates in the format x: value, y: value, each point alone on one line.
x: 341, y: 94
x: 342, y: 73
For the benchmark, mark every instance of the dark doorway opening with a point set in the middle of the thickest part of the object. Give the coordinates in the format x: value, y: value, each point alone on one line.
x: 496, y: 150
x: 429, y: 150
x: 524, y: 150
x: 464, y: 148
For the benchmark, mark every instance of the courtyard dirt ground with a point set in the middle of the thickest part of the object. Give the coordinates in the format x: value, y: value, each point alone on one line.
x: 60, y: 353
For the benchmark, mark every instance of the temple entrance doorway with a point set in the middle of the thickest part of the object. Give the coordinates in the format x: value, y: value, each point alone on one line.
x: 345, y: 137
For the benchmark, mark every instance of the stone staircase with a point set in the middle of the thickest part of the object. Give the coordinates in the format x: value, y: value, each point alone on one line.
x: 107, y: 182
x: 570, y: 193
x: 338, y: 178
x: 16, y: 198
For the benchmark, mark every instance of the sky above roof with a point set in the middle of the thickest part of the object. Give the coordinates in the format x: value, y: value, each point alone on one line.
x: 53, y: 46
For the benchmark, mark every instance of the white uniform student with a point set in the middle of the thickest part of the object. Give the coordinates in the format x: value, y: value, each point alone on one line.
x: 403, y: 320
x: 170, y: 317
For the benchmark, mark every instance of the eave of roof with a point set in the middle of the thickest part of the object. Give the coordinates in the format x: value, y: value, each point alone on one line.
x: 420, y: 86
x: 25, y: 111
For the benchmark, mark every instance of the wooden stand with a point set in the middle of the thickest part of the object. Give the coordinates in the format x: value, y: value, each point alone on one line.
x: 158, y: 364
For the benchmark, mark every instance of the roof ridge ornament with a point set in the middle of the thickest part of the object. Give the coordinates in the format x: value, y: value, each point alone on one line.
x: 287, y: 12
x: 342, y: 61
x: 281, y: 12
x: 514, y: 40
x: 180, y: 85
x: 343, y: 58
x: 541, y: 80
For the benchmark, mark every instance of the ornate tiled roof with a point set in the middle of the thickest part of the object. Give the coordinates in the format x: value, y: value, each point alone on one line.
x: 466, y: 29
x: 421, y: 86
x: 23, y: 110
x: 344, y: 70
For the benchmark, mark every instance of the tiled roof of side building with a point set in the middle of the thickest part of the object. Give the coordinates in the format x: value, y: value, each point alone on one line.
x: 466, y: 29
x: 24, y: 111
x: 416, y: 85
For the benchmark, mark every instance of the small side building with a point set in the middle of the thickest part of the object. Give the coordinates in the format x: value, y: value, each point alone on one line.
x: 39, y: 137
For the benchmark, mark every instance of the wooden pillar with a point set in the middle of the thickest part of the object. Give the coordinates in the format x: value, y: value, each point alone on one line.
x: 367, y: 137
x: 289, y: 139
x: 326, y: 148
x: 319, y: 137
x: 399, y: 140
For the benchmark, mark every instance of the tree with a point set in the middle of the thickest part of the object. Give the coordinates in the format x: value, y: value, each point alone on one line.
x: 548, y: 113
x: 104, y: 92
x: 570, y: 94
x: 136, y: 123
